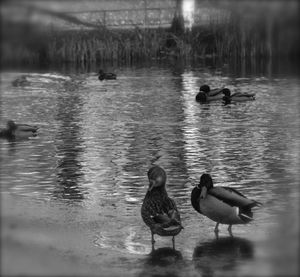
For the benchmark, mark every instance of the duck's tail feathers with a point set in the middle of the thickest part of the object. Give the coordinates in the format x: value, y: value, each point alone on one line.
x: 252, y: 205
x: 258, y: 204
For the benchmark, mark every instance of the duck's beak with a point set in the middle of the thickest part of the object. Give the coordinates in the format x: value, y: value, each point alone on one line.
x: 203, y: 192
x: 152, y: 185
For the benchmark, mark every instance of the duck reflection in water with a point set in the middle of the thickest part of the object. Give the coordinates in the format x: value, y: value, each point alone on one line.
x: 221, y: 254
x: 163, y: 256
x: 164, y: 261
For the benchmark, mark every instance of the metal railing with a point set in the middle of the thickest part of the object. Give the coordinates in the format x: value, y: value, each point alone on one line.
x: 149, y: 17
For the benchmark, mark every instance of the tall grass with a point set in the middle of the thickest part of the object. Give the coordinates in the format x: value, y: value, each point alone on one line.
x: 232, y: 37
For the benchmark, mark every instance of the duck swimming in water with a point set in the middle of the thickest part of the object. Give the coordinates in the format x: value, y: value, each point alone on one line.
x: 18, y: 131
x: 106, y: 76
x: 205, y: 94
x: 159, y: 211
x: 21, y: 81
x: 222, y: 204
x: 237, y: 96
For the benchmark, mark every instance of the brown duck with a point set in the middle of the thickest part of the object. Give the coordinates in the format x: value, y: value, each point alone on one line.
x: 159, y: 211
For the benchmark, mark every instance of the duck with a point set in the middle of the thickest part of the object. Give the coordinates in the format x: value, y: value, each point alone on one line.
x: 18, y: 131
x: 159, y: 211
x: 205, y: 94
x: 236, y: 97
x: 106, y: 76
x: 224, y: 205
x: 21, y: 81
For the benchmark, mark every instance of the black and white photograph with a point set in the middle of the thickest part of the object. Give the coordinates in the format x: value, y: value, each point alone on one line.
x: 150, y: 138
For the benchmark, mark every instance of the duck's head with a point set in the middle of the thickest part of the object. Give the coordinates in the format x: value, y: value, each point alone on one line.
x: 205, y: 88
x: 11, y: 125
x: 157, y: 177
x: 226, y: 92
x: 205, y: 184
x: 100, y: 72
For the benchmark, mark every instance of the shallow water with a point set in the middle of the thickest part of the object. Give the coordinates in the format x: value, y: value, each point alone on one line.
x: 78, y: 186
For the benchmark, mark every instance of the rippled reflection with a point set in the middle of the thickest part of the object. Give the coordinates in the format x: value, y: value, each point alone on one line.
x: 221, y: 255
x: 163, y: 261
x: 68, y: 146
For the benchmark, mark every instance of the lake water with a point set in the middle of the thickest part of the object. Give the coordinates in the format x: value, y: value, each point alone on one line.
x: 71, y: 196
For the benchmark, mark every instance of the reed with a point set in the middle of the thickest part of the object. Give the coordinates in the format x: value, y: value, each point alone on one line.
x: 229, y: 37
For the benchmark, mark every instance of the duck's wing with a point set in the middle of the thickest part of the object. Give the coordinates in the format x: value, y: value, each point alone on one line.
x: 27, y: 128
x: 232, y: 197
x: 216, y: 91
x: 173, y: 213
x: 111, y: 76
x: 153, y: 214
x: 164, y: 214
x: 243, y: 94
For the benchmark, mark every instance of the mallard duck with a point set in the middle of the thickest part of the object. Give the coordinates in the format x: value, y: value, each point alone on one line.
x: 237, y: 96
x: 205, y: 94
x: 222, y: 204
x: 21, y: 81
x: 159, y: 211
x: 15, y: 131
x: 106, y: 76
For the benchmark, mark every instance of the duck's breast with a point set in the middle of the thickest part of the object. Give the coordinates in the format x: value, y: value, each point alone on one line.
x: 219, y: 211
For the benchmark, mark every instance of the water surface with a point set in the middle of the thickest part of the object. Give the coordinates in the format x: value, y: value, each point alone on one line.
x: 78, y: 186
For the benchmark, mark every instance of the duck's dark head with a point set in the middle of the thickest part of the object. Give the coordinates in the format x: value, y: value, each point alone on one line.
x: 157, y: 177
x: 205, y: 184
x: 11, y: 125
x: 227, y: 96
x: 226, y: 92
x: 205, y: 88
x: 100, y: 72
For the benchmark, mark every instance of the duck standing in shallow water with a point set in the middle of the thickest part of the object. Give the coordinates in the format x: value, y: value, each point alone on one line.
x: 222, y: 204
x: 159, y: 212
x: 18, y: 131
x: 106, y: 76
x: 236, y: 97
x: 205, y: 94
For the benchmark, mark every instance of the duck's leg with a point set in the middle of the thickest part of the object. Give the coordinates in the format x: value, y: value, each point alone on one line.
x: 217, y: 235
x: 173, y: 241
x: 229, y: 230
x: 216, y: 228
x: 152, y: 238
